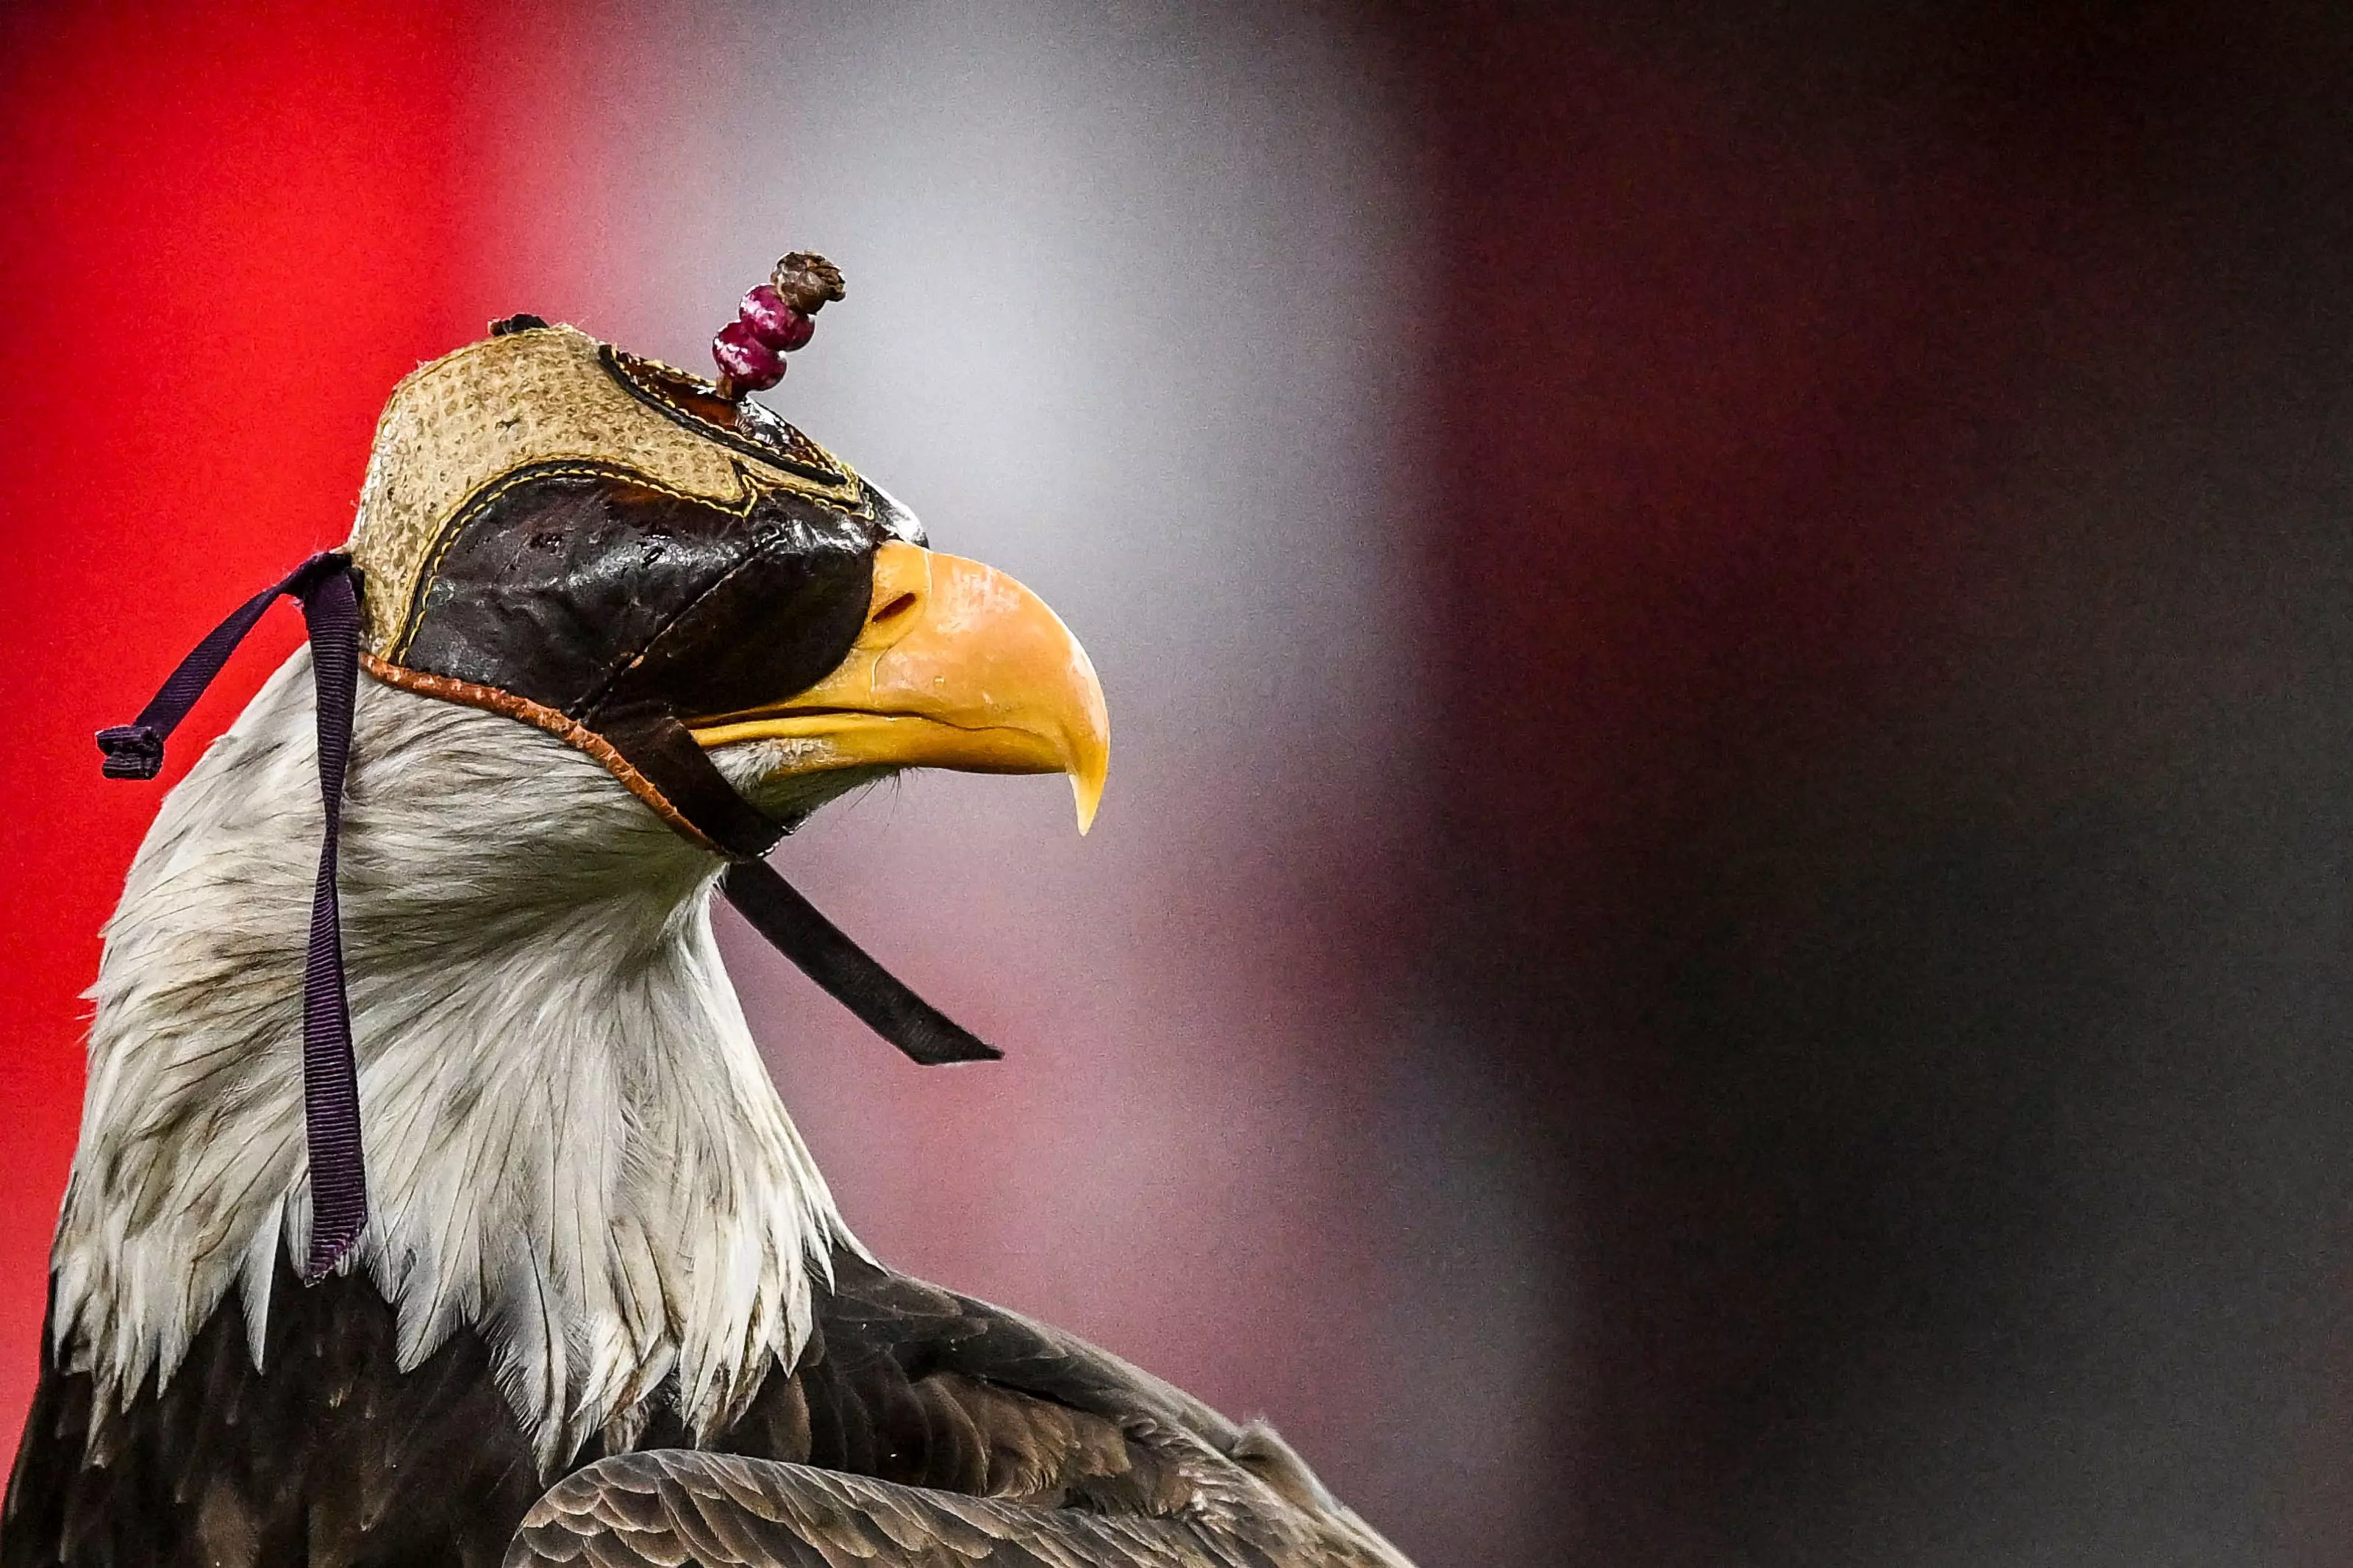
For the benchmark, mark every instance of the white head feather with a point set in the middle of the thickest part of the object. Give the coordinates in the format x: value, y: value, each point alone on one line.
x: 573, y: 1148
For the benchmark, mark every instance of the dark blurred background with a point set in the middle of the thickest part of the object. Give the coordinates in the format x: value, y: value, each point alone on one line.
x: 1721, y: 933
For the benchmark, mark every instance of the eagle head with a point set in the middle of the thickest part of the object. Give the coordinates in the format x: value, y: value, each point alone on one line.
x: 617, y: 627
x: 618, y: 553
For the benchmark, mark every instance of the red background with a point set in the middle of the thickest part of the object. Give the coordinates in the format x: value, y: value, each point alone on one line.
x: 227, y: 234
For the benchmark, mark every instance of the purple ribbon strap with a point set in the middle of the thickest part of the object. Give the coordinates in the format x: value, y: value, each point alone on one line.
x: 331, y: 1094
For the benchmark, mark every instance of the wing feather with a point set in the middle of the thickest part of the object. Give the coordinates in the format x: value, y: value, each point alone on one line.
x: 668, y: 1507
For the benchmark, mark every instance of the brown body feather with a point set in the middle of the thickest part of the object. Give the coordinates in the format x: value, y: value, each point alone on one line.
x: 333, y: 1456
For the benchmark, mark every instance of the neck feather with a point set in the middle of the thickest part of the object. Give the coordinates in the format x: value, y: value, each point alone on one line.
x: 573, y: 1148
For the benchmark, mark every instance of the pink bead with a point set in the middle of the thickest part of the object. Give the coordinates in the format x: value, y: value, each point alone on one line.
x: 775, y: 323
x: 746, y: 358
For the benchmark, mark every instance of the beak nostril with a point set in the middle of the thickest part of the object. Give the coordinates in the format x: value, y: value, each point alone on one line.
x: 893, y: 610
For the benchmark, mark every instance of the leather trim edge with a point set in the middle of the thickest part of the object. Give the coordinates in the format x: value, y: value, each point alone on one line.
x: 838, y: 485
x: 571, y: 731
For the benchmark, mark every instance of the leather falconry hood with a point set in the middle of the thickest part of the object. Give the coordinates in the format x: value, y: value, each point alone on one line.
x: 622, y: 554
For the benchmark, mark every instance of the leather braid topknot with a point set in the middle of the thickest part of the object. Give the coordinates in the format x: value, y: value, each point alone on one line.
x: 772, y: 320
x: 806, y: 280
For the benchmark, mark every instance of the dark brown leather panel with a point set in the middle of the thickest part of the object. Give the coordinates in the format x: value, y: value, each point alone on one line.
x: 580, y: 588
x: 624, y: 607
x: 774, y: 623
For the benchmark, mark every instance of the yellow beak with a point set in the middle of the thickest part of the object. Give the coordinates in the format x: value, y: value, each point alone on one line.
x: 958, y: 666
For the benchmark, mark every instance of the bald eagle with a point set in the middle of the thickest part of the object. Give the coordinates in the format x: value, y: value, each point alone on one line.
x: 599, y: 1306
